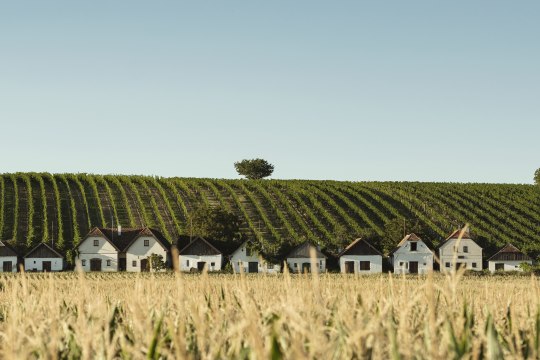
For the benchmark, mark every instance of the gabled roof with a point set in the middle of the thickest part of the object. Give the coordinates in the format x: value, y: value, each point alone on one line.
x: 121, y: 242
x: 6, y: 249
x: 199, y: 246
x: 457, y: 234
x: 43, y: 251
x: 359, y: 247
x: 304, y: 251
x: 409, y: 237
x: 510, y: 253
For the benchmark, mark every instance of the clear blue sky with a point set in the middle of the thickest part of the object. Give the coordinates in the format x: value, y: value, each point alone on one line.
x: 347, y: 90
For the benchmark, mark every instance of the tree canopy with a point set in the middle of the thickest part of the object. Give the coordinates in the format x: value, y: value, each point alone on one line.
x: 537, y: 177
x: 254, y: 168
x: 215, y: 223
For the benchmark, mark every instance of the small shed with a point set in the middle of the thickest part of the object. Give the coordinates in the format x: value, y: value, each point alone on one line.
x: 508, y: 259
x: 299, y: 259
x: 360, y: 257
x: 8, y: 257
x: 412, y: 256
x: 247, y: 259
x: 198, y: 254
x: 43, y: 258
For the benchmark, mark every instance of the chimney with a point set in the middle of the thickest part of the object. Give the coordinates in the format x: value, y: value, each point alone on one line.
x: 119, y: 230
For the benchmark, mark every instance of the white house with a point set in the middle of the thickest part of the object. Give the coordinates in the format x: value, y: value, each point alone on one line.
x: 508, y: 259
x: 299, y: 259
x: 198, y: 254
x: 43, y: 258
x: 412, y: 256
x: 360, y: 257
x: 458, y: 251
x: 246, y: 259
x: 8, y: 258
x: 105, y: 249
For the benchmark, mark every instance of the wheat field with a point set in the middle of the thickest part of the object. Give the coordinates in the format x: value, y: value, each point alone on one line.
x: 310, y: 316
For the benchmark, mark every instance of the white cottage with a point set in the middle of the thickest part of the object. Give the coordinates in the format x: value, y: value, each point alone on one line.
x: 247, y: 259
x: 460, y: 251
x: 108, y: 250
x: 509, y: 258
x: 360, y: 257
x: 197, y: 254
x: 412, y: 256
x: 43, y: 258
x: 299, y: 259
x: 8, y: 257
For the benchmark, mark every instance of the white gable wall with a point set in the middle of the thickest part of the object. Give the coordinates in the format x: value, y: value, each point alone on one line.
x: 295, y: 264
x: 508, y: 265
x: 375, y: 263
x: 240, y: 261
x: 11, y: 259
x: 105, y: 251
x: 137, y: 252
x: 472, y: 258
x: 31, y: 264
x: 188, y: 262
x: 403, y: 256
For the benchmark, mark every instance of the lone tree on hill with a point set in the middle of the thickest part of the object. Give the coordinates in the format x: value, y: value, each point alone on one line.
x: 537, y: 177
x: 254, y: 169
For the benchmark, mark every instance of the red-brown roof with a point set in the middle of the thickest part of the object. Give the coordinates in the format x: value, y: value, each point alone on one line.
x: 123, y: 240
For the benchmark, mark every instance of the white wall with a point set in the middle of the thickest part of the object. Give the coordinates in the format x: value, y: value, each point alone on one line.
x: 104, y: 251
x: 470, y: 258
x: 240, y: 262
x: 11, y: 259
x: 375, y: 260
x: 194, y: 259
x: 508, y: 265
x: 295, y: 264
x: 137, y: 251
x: 402, y: 256
x: 31, y: 264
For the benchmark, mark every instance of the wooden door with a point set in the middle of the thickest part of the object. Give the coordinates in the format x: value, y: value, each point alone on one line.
x: 413, y: 267
x: 144, y: 265
x: 498, y: 266
x: 349, y: 267
x: 95, y: 264
x: 306, y: 267
x: 47, y: 266
x: 201, y: 265
x: 253, y: 267
x: 122, y: 264
x: 7, y: 266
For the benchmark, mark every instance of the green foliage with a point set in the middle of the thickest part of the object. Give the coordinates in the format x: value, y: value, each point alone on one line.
x: 156, y: 262
x: 214, y: 223
x: 254, y: 168
x: 396, y: 229
x: 537, y: 177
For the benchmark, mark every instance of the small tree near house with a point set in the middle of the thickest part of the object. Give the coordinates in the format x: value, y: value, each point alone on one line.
x: 156, y: 262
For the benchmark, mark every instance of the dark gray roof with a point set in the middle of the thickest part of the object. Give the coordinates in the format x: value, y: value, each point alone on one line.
x: 360, y: 247
x: 6, y: 249
x: 43, y: 251
x: 127, y: 236
x: 198, y: 246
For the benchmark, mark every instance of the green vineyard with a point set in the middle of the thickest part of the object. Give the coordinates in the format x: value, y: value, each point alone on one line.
x: 38, y: 207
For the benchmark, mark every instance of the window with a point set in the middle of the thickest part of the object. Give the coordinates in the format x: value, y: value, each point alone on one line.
x: 414, y: 246
x: 473, y: 265
x: 270, y: 266
x: 213, y: 264
x: 447, y: 264
x: 83, y: 263
x: 499, y: 266
x: 295, y: 265
x: 146, y: 242
x: 365, y: 265
x: 108, y: 262
x: 134, y: 263
x: 96, y: 242
x: 187, y: 262
x: 461, y: 257
x: 465, y: 249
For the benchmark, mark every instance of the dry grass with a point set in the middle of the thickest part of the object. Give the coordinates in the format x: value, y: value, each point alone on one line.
x: 258, y: 317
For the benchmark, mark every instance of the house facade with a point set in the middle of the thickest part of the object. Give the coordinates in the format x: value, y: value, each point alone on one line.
x: 246, y: 259
x: 299, y: 259
x: 509, y: 258
x: 108, y: 250
x: 8, y: 258
x: 412, y: 256
x: 198, y: 254
x: 460, y: 251
x: 43, y: 258
x: 360, y: 257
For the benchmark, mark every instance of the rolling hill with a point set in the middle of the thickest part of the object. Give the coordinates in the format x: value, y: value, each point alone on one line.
x: 37, y: 207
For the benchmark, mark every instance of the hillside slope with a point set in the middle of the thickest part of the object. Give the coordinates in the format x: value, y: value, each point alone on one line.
x: 44, y: 207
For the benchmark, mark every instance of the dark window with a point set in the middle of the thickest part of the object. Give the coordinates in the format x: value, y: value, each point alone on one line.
x: 447, y: 264
x: 461, y: 257
x: 108, y: 262
x: 83, y: 263
x: 473, y: 265
x: 465, y: 249
x: 499, y: 266
x: 146, y: 242
x: 96, y: 242
x: 134, y: 263
x: 187, y: 262
x: 295, y: 265
x: 213, y: 264
x: 365, y: 265
x: 414, y: 246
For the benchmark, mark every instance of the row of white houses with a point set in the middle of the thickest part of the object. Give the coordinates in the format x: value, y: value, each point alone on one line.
x: 111, y: 250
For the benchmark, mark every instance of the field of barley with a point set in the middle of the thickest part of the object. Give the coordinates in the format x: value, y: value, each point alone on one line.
x: 310, y: 316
